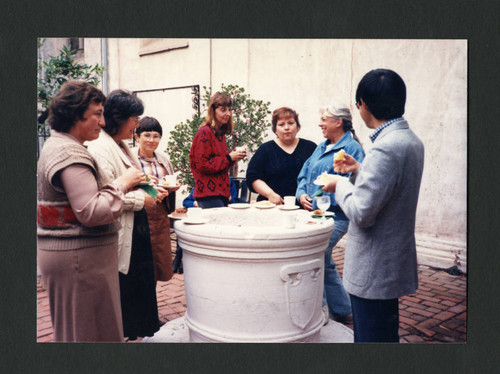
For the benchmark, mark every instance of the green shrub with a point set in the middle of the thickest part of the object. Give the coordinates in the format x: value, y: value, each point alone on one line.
x: 53, y: 73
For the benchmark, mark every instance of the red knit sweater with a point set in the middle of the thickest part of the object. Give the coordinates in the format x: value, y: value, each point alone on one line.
x: 210, y: 164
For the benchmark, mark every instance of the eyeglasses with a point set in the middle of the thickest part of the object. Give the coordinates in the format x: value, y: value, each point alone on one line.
x: 150, y: 137
x: 136, y: 119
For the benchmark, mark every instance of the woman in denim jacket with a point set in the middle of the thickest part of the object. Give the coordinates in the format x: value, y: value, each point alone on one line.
x: 336, y: 125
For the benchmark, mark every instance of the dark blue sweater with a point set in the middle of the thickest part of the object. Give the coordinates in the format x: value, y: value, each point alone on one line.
x: 278, y: 168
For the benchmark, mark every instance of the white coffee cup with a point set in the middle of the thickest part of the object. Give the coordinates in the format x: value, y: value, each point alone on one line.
x: 289, y: 201
x: 169, y: 180
x: 241, y: 148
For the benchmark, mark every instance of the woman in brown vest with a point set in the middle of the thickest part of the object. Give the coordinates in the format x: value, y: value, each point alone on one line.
x: 156, y: 165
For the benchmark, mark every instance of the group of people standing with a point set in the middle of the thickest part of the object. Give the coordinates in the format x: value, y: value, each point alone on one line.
x: 288, y: 166
x: 284, y: 166
x: 374, y: 196
x: 84, y: 191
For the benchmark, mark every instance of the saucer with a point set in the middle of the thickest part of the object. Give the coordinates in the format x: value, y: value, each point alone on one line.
x: 239, y: 206
x: 282, y: 207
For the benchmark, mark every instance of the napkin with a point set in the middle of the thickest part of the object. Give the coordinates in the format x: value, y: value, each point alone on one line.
x: 150, y: 190
x: 318, y: 216
x: 318, y: 193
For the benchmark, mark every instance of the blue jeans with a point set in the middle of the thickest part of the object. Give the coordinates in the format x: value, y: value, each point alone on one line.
x: 334, y: 293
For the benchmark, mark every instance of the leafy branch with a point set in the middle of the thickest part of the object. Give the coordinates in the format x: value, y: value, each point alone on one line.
x: 53, y: 73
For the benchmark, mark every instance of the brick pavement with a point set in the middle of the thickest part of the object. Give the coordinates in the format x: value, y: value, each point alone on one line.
x: 436, y: 313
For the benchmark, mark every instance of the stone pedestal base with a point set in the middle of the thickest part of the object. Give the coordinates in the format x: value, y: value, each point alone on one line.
x: 176, y: 331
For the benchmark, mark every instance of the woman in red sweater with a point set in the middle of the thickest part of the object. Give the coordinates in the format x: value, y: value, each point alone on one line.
x: 209, y: 157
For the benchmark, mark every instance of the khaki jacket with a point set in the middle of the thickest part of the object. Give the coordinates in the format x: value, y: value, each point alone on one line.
x: 113, y: 163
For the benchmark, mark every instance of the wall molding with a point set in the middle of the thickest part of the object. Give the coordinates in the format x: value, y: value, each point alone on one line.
x: 440, y: 252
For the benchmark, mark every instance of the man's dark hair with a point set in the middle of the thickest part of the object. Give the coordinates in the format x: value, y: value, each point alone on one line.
x: 118, y: 108
x: 383, y: 92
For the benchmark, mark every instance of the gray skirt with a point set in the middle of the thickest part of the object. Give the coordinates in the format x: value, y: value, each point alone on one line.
x: 84, y: 293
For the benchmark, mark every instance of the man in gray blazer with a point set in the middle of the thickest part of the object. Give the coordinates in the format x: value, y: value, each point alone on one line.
x: 380, y: 259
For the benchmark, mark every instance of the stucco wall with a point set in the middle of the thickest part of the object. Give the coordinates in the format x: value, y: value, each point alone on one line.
x: 307, y: 74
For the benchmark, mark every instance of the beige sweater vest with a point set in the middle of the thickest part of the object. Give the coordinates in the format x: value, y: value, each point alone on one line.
x: 57, y: 227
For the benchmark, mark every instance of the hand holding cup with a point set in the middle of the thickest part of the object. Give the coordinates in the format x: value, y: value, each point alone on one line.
x: 238, y: 153
x: 132, y: 177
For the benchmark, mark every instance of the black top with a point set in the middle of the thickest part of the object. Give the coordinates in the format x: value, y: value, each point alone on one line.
x: 278, y: 168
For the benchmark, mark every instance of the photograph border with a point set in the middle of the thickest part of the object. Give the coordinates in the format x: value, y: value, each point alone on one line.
x: 22, y: 24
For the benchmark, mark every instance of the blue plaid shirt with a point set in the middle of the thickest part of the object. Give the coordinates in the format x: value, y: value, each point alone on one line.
x: 379, y: 129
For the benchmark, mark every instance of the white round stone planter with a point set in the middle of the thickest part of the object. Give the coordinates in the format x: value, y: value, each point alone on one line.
x: 248, y: 278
